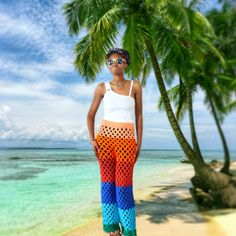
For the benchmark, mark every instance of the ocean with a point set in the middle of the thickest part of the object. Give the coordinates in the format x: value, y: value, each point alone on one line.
x: 51, y: 191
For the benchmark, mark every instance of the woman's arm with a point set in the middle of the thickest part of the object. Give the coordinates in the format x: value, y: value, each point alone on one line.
x: 97, y: 98
x: 138, y: 112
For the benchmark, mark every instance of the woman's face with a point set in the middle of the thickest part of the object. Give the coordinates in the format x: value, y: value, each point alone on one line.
x: 115, y: 68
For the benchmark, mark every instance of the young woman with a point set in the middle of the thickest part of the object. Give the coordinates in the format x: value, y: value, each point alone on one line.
x: 115, y: 145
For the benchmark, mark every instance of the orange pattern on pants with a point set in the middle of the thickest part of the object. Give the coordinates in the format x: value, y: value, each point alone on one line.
x: 116, y: 159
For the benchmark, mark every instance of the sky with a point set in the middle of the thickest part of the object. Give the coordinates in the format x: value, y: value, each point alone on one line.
x: 44, y: 101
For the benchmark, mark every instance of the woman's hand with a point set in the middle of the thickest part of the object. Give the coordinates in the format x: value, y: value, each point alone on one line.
x: 95, y: 147
x: 137, y: 151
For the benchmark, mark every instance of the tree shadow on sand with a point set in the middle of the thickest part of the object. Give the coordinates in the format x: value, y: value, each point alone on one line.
x: 175, y: 201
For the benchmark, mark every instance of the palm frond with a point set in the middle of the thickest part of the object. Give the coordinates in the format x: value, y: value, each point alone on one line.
x: 230, y: 107
x: 91, y: 50
x: 177, y: 95
x: 84, y: 13
x: 136, y: 32
x: 146, y: 70
x: 76, y: 13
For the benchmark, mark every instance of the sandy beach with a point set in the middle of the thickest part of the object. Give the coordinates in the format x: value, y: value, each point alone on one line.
x: 167, y: 209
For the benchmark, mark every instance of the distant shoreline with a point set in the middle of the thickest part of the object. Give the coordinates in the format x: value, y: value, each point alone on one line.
x: 143, y: 149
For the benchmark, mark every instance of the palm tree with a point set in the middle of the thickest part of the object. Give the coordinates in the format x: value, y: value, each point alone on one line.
x: 181, y: 95
x: 218, y: 100
x: 224, y: 22
x: 152, y: 28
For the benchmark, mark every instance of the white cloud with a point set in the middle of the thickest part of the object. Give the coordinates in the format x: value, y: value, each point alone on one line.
x: 35, y: 37
x: 41, y: 124
x: 24, y: 90
x: 31, y: 111
x: 4, y: 122
x: 20, y: 28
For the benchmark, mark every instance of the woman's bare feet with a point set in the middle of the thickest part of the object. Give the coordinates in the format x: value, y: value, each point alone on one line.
x: 116, y: 233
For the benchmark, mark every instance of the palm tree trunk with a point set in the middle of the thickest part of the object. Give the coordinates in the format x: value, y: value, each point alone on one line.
x: 225, y: 168
x: 191, y: 120
x: 170, y: 114
x: 213, y: 179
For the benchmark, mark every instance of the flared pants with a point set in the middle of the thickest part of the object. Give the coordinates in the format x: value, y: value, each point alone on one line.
x: 116, y: 159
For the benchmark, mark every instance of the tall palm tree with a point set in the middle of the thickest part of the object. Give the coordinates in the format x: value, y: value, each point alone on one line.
x: 218, y: 100
x: 181, y: 95
x: 151, y: 28
x: 224, y: 22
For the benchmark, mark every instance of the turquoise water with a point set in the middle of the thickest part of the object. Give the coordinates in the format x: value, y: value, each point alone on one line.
x: 50, y: 191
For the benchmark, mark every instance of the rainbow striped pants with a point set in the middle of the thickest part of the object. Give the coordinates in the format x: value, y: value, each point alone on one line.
x: 116, y: 159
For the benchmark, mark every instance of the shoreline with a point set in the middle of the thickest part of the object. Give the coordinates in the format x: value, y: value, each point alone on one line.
x: 167, y: 207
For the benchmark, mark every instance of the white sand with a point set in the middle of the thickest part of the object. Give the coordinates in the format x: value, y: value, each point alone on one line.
x: 168, y: 209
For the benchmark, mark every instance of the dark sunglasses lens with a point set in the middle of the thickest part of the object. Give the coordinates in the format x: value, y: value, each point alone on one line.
x: 119, y: 60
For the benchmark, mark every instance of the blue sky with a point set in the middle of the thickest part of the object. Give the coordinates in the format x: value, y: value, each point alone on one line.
x: 44, y: 102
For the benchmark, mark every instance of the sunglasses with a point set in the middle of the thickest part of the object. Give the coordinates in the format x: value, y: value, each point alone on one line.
x: 119, y: 61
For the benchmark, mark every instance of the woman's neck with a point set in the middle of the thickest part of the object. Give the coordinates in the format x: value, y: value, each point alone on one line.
x: 118, y: 78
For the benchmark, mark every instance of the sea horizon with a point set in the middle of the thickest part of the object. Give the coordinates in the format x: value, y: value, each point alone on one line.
x: 88, y: 149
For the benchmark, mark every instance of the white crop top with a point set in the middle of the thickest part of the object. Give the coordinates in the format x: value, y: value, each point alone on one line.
x: 118, y: 107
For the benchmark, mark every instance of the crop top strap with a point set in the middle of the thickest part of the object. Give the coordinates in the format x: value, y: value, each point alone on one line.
x: 107, y: 85
x: 131, y: 85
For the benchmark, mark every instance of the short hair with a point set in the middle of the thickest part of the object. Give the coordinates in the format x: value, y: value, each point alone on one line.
x: 124, y: 53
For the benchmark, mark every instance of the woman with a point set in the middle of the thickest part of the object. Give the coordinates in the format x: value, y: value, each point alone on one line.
x: 115, y: 146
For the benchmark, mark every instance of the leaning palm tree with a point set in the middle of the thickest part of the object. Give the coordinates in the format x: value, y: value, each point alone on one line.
x: 207, y: 72
x: 224, y: 22
x: 154, y: 32
x: 181, y: 96
x: 218, y: 100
